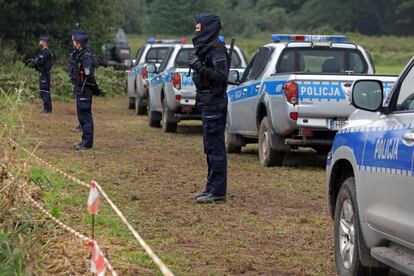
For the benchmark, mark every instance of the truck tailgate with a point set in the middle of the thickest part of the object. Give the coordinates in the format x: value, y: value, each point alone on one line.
x: 323, y: 100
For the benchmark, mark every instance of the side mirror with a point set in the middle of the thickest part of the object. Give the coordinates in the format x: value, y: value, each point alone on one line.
x: 234, y: 77
x: 128, y: 62
x: 151, y: 68
x: 367, y: 95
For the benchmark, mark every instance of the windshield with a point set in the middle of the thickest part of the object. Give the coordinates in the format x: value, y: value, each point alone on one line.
x: 321, y: 60
x: 181, y: 61
x: 121, y: 37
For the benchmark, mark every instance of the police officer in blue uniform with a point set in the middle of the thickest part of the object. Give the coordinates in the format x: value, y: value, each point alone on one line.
x: 43, y: 64
x: 210, y: 64
x: 81, y: 72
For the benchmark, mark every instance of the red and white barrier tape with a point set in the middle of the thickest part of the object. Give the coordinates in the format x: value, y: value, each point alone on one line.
x: 65, y: 227
x: 68, y: 229
x: 163, y: 268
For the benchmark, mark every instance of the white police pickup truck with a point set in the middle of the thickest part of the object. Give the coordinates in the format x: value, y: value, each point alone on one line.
x: 370, y: 180
x: 294, y: 93
x: 172, y: 91
x: 154, y: 51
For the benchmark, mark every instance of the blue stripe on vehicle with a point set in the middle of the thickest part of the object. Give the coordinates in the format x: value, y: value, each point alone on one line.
x: 384, y: 151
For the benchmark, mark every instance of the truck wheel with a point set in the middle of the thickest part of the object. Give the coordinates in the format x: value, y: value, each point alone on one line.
x: 232, y: 145
x: 131, y: 103
x: 268, y: 157
x: 140, y: 107
x: 169, y: 123
x: 152, y: 116
x: 348, y: 241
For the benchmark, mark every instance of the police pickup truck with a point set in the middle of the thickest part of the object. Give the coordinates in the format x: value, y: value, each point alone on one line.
x: 370, y: 180
x: 294, y: 93
x: 172, y: 91
x: 154, y: 51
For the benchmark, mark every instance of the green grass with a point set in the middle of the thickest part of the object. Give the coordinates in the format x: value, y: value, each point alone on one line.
x: 390, y: 53
x: 11, y: 256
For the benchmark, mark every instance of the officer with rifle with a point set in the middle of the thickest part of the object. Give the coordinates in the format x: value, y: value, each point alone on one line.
x: 81, y: 73
x: 43, y: 64
x: 211, y: 64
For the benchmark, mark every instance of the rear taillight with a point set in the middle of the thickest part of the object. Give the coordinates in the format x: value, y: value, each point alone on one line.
x: 290, y: 89
x: 144, y: 73
x: 176, y: 81
x: 178, y: 98
x: 294, y: 116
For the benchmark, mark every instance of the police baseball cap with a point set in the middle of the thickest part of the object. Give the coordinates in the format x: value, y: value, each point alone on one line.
x: 44, y: 38
x: 80, y: 35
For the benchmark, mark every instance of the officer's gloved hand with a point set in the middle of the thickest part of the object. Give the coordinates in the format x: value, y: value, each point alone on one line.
x: 195, y: 63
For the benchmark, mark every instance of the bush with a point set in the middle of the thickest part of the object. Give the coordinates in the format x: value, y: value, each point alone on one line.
x: 15, y: 76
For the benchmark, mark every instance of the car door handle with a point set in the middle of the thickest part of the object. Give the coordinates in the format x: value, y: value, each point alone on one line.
x: 244, y: 90
x: 257, y: 87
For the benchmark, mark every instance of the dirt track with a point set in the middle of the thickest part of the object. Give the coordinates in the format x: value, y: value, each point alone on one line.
x: 275, y: 220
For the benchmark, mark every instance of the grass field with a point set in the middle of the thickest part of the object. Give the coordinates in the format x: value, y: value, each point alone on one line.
x: 390, y: 53
x: 275, y: 220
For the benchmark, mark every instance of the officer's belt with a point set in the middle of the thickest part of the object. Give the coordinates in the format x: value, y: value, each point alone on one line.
x: 205, y: 91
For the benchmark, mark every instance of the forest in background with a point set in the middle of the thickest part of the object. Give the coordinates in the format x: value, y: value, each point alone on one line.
x: 21, y: 22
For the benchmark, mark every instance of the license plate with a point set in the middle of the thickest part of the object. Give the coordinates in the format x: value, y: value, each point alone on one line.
x: 124, y: 51
x: 336, y: 125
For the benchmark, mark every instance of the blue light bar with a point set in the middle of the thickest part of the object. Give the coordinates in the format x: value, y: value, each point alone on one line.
x: 221, y: 38
x: 152, y: 40
x: 308, y: 38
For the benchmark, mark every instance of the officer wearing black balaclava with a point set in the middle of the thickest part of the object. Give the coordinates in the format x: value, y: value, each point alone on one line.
x: 210, y: 64
x: 43, y: 64
x: 81, y: 73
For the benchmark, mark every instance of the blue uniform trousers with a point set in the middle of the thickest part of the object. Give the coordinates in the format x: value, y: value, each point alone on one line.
x: 214, y: 123
x: 44, y: 88
x: 84, y: 110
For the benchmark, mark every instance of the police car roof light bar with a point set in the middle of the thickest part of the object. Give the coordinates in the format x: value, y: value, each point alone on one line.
x: 308, y: 38
x: 153, y: 40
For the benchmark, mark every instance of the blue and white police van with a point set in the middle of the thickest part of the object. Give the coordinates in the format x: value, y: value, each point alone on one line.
x: 370, y: 180
x: 154, y: 51
x: 294, y: 93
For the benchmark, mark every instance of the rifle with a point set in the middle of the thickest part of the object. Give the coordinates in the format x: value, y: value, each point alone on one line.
x: 231, y: 50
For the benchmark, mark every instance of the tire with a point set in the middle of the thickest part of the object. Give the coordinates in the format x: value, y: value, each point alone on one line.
x: 231, y: 141
x: 348, y: 237
x: 268, y: 157
x: 139, y: 105
x: 131, y: 103
x: 169, y: 123
x: 152, y: 116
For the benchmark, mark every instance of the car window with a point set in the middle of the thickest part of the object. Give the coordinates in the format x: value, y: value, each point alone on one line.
x: 166, y: 59
x: 248, y: 69
x: 181, y: 60
x: 235, y: 60
x: 257, y: 64
x: 406, y: 95
x: 317, y: 60
x: 156, y: 55
x: 139, y: 54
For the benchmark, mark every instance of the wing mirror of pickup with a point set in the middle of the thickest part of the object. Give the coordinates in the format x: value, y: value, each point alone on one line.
x: 234, y: 77
x: 151, y: 68
x: 128, y: 63
x: 367, y: 95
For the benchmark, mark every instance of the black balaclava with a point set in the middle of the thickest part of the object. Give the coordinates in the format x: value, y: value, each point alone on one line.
x: 210, y: 28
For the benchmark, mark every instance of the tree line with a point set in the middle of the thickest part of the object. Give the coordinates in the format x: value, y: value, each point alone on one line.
x: 21, y: 21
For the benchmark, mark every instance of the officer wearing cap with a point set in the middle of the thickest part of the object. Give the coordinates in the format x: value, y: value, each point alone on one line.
x: 43, y: 64
x: 210, y: 64
x: 81, y: 73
